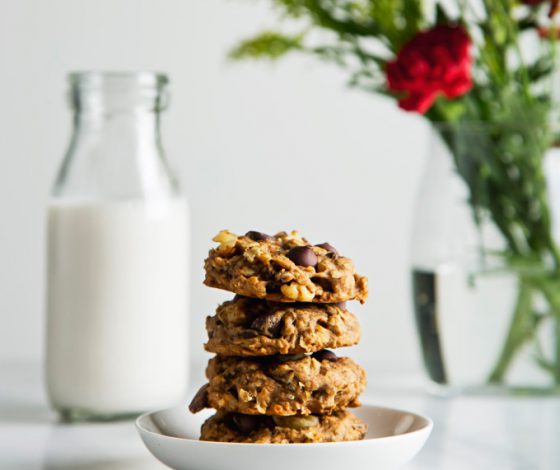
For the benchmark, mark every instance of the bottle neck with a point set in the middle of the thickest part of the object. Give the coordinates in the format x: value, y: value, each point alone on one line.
x: 119, y: 112
x: 116, y: 150
x: 125, y: 132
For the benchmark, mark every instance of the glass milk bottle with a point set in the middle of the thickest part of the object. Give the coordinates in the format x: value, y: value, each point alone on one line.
x: 117, y: 256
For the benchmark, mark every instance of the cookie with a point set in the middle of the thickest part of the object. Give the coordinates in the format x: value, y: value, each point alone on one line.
x: 228, y: 427
x: 282, y: 268
x: 251, y: 327
x: 281, y: 385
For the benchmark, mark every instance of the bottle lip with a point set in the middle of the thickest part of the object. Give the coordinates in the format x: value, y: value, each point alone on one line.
x: 115, y: 91
x: 95, y: 78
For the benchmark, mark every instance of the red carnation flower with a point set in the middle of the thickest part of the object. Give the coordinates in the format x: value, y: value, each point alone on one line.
x: 433, y: 62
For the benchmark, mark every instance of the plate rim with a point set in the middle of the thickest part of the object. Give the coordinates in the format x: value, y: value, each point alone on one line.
x: 427, y: 428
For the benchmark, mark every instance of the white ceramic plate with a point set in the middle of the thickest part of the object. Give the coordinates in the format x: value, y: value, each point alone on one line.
x: 394, y: 438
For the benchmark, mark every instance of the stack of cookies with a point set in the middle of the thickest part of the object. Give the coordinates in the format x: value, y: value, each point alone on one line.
x: 273, y: 380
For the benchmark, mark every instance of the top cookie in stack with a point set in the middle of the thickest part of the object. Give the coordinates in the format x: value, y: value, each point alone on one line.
x: 290, y: 301
x: 282, y: 268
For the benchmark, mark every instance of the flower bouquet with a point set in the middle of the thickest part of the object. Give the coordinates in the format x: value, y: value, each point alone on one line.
x: 467, y: 65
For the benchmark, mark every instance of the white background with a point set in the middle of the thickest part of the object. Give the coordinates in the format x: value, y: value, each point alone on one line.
x: 258, y: 146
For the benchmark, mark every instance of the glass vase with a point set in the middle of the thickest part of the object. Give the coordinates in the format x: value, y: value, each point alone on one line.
x: 485, y: 275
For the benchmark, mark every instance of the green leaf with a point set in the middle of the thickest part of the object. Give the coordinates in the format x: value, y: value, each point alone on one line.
x: 294, y: 8
x: 413, y: 15
x: 267, y: 45
x: 542, y: 68
x: 453, y: 109
x: 525, y: 24
x: 441, y: 15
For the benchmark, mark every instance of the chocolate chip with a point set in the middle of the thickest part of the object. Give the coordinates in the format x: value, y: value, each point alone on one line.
x: 341, y: 305
x: 303, y: 256
x: 257, y: 236
x: 277, y: 359
x: 248, y: 334
x: 325, y: 355
x: 200, y: 400
x: 328, y: 247
x: 268, y: 324
x: 267, y: 421
x: 246, y: 423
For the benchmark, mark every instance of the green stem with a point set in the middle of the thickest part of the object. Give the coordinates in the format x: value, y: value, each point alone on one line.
x: 525, y: 324
x: 551, y: 292
x: 557, y: 349
x: 518, y: 333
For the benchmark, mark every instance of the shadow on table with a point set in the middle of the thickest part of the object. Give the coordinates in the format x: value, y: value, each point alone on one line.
x: 22, y: 394
x: 97, y: 446
x: 147, y: 463
x: 24, y: 413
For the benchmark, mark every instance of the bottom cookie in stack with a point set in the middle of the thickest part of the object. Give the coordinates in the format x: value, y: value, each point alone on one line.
x: 262, y: 429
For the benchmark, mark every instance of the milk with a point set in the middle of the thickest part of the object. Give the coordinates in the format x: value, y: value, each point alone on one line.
x: 117, y: 305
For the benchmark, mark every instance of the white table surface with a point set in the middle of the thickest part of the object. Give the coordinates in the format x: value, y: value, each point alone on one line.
x: 470, y: 432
